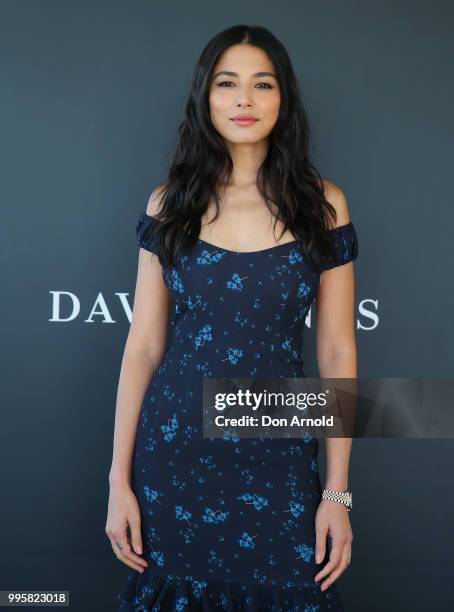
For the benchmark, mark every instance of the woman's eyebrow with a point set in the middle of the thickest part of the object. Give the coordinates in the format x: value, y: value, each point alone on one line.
x: 235, y: 74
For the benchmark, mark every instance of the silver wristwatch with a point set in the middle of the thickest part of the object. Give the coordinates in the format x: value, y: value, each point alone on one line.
x: 343, y: 497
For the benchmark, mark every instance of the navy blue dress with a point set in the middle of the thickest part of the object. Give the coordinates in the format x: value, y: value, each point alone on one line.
x: 228, y: 524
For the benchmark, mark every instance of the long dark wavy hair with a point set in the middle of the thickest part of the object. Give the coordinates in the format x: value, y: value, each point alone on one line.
x: 201, y: 161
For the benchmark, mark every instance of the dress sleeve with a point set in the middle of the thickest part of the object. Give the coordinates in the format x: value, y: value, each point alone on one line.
x: 144, y: 232
x: 344, y: 246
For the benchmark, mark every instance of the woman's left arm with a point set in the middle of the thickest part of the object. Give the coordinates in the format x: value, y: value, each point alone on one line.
x: 336, y: 357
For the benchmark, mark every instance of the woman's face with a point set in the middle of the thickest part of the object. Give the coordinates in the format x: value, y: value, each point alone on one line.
x: 244, y: 82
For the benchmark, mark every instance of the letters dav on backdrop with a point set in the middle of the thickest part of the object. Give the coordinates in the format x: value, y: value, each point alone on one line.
x: 67, y: 307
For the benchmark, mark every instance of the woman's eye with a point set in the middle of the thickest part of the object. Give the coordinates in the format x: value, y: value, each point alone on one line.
x: 268, y: 86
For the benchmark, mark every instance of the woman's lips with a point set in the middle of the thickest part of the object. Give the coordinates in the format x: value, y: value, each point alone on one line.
x: 244, y: 121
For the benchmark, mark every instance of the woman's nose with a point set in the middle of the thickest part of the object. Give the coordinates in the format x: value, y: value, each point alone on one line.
x: 243, y: 98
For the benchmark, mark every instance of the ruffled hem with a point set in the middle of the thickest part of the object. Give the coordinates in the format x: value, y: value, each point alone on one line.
x: 150, y: 592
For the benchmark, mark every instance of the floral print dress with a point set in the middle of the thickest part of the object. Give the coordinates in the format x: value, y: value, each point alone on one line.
x: 228, y: 524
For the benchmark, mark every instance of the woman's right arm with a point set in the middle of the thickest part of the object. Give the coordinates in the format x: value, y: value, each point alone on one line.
x: 144, y: 349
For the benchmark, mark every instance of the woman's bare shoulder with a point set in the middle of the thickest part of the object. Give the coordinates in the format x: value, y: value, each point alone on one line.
x: 155, y: 200
x: 336, y: 197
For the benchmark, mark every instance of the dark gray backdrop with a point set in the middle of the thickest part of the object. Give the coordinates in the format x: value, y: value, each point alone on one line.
x: 91, y: 94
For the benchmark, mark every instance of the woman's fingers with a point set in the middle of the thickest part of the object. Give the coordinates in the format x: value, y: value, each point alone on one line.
x: 338, y: 569
x: 320, y: 543
x: 122, y: 550
x: 124, y: 516
x: 136, y: 536
x: 334, y: 559
x: 334, y: 520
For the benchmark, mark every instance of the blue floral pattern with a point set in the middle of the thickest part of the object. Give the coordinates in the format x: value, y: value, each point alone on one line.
x: 228, y: 523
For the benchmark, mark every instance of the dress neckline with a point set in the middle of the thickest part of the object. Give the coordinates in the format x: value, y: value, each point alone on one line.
x: 219, y: 248
x: 267, y: 250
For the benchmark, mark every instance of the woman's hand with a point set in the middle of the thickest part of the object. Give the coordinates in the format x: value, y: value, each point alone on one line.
x: 332, y: 518
x: 123, y: 512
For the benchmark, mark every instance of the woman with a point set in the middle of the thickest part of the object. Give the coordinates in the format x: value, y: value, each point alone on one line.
x: 233, y: 524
